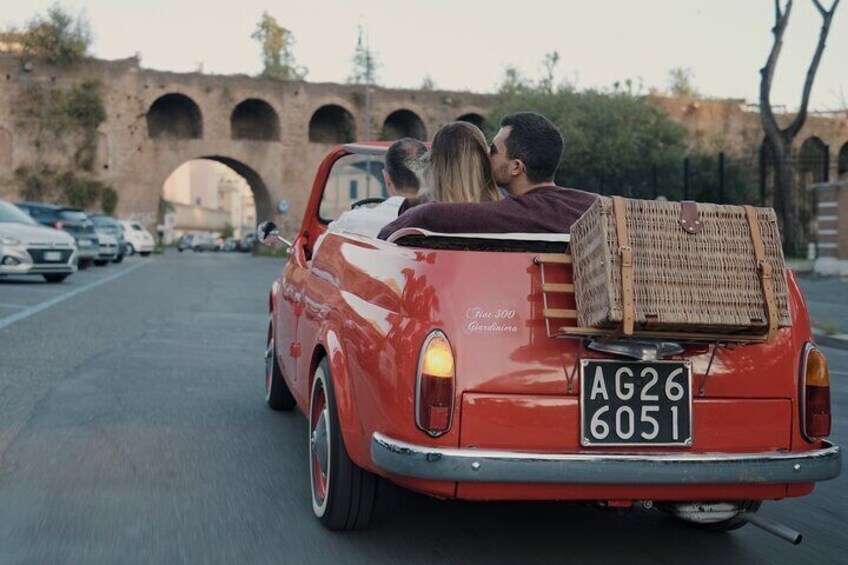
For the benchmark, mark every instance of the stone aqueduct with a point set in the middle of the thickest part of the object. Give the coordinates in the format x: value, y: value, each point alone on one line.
x: 272, y: 133
x: 275, y: 133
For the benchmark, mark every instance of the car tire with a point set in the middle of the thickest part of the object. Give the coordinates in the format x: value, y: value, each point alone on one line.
x: 130, y: 250
x: 144, y: 253
x: 101, y: 262
x: 343, y: 494
x: 56, y: 277
x: 118, y: 259
x: 83, y: 264
x: 278, y: 396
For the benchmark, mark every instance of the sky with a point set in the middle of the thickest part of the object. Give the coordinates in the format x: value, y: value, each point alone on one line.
x: 467, y: 44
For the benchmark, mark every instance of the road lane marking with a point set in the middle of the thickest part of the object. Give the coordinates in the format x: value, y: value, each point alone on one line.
x: 41, y: 306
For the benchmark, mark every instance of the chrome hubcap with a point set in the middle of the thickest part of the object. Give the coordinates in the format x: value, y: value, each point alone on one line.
x: 320, y: 446
x: 269, y: 365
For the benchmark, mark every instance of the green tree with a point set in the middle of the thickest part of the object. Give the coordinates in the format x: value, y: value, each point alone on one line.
x: 428, y: 83
x: 365, y: 64
x: 512, y: 82
x: 58, y: 37
x: 681, y: 82
x: 615, y: 143
x: 549, y: 63
x: 277, y: 50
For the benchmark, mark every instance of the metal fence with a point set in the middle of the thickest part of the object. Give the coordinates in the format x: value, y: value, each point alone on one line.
x: 714, y: 178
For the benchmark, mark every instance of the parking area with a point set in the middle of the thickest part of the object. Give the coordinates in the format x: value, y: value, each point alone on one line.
x: 22, y: 296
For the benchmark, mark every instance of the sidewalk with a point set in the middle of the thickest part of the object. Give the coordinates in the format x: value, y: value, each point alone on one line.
x: 827, y: 301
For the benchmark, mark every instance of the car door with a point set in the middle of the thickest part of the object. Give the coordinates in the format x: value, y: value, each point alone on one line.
x: 289, y: 309
x: 351, y: 178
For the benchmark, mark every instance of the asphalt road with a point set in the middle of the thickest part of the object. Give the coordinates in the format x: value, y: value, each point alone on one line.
x: 133, y: 430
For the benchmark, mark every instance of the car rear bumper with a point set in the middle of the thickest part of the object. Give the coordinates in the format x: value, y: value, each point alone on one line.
x: 498, y: 466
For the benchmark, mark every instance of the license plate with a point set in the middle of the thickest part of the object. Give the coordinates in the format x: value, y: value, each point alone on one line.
x: 52, y: 255
x: 636, y: 403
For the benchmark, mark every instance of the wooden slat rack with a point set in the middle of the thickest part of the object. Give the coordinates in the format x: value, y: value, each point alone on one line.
x: 555, y: 316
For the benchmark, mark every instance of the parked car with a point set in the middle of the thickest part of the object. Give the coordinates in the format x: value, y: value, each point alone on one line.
x: 28, y: 248
x: 109, y: 249
x: 107, y: 225
x: 248, y: 242
x: 72, y: 220
x: 427, y: 360
x: 138, y: 239
x: 197, y: 242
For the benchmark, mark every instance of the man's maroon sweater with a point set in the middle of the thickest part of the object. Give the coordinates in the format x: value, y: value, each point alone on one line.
x: 547, y: 209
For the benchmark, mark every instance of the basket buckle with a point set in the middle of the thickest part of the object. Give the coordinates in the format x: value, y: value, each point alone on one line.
x: 765, y: 270
x: 626, y: 254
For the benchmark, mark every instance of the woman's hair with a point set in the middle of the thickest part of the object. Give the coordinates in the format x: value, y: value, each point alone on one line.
x: 457, y: 168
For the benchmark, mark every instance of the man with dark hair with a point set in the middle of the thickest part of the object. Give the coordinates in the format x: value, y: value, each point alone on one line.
x: 401, y: 183
x: 524, y: 155
x: 526, y: 152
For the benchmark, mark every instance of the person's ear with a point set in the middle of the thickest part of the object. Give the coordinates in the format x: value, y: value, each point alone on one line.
x: 517, y: 168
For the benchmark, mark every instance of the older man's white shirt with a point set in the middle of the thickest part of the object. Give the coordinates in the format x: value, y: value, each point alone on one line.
x: 368, y: 221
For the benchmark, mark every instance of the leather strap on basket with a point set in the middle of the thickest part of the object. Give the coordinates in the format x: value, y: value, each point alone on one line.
x: 765, y: 271
x: 625, y: 253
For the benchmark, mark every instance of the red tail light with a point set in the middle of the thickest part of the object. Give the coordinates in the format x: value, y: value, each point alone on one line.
x: 815, y: 387
x: 435, y: 385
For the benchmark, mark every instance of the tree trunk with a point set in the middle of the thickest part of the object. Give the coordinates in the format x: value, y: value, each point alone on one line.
x: 787, y: 199
x: 780, y: 139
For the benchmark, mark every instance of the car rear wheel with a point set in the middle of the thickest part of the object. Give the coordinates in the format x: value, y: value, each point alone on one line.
x: 343, y: 494
x: 277, y: 393
x: 130, y: 251
x: 55, y: 277
x: 119, y: 258
x: 144, y: 253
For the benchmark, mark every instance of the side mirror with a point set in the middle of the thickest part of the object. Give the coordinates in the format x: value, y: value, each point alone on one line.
x: 268, y: 234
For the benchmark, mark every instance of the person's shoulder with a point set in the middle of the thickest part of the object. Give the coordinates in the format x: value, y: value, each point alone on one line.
x: 392, y: 202
x: 565, y: 192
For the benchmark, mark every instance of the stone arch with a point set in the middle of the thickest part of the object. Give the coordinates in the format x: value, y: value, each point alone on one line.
x: 201, y: 214
x: 174, y: 116
x: 403, y: 123
x: 812, y: 159
x: 842, y: 166
x: 254, y: 119
x: 332, y: 123
x: 5, y: 148
x: 473, y: 118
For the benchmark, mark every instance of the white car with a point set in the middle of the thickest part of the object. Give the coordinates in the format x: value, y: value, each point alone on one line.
x: 109, y: 248
x: 138, y: 239
x: 28, y: 248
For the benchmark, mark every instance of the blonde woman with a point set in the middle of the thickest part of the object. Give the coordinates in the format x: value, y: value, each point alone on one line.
x: 456, y: 168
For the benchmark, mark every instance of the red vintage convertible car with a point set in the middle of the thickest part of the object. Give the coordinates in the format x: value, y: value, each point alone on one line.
x: 428, y: 360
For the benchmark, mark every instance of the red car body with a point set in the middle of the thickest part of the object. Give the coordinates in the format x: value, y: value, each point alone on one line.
x: 367, y: 306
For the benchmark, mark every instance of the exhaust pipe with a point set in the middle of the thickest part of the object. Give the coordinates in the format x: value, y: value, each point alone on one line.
x: 776, y: 528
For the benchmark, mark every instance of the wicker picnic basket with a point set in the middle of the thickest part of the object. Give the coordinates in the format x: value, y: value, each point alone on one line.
x: 644, y: 265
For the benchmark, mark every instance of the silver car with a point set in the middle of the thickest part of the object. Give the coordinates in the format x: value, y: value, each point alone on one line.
x: 28, y: 248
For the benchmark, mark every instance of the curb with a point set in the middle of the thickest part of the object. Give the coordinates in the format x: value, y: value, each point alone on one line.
x: 838, y: 341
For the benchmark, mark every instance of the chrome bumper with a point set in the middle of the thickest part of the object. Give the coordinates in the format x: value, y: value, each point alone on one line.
x: 495, y: 466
